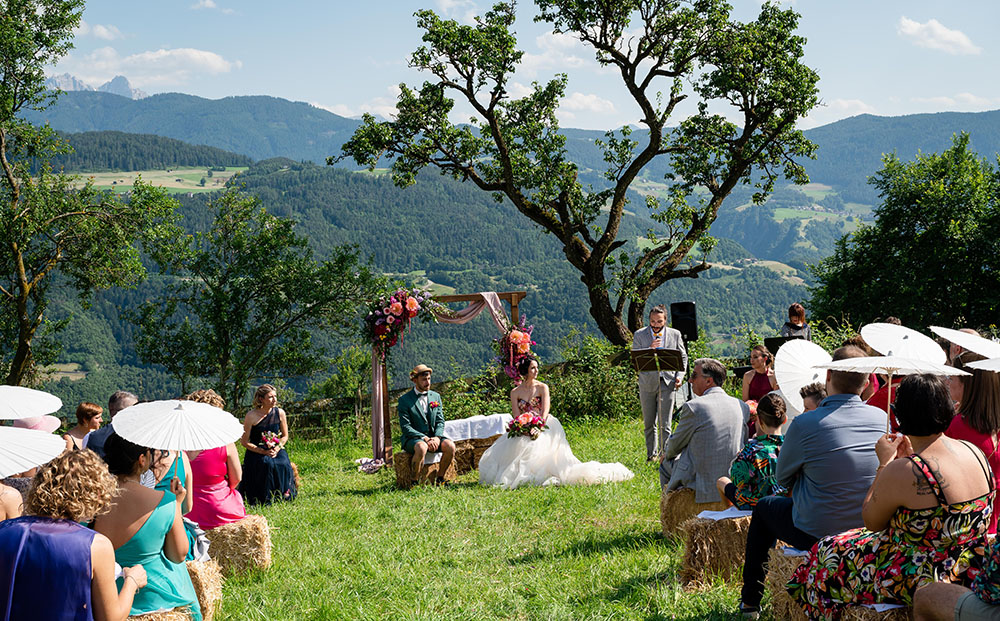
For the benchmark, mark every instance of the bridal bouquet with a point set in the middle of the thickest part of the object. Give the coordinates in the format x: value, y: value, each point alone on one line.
x: 270, y: 440
x: 527, y: 424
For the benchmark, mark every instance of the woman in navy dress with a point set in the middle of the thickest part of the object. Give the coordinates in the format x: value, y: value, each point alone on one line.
x: 267, y: 471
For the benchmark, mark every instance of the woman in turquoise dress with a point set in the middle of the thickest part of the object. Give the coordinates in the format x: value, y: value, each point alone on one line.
x: 267, y: 471
x: 145, y: 528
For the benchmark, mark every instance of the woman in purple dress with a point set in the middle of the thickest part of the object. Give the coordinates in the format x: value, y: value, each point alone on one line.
x: 51, y: 567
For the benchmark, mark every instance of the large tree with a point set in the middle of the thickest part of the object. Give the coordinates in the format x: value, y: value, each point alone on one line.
x: 243, y: 297
x: 932, y: 256
x: 512, y: 147
x: 50, y: 228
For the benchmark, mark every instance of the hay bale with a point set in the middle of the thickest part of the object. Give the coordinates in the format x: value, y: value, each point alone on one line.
x: 177, y: 614
x: 780, y: 567
x: 860, y: 613
x: 207, y: 580
x: 485, y: 443
x: 242, y: 545
x: 295, y: 475
x: 463, y: 456
x: 405, y: 478
x: 713, y: 548
x: 678, y: 506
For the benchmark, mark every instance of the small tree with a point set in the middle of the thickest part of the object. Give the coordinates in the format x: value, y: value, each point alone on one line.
x: 244, y: 296
x: 49, y: 227
x: 932, y: 256
x: 513, y: 147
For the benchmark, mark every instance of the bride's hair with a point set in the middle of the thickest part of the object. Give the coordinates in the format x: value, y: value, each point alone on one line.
x: 524, y: 365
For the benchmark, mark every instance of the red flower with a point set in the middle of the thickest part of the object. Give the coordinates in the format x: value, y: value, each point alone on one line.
x: 434, y: 404
x: 381, y: 329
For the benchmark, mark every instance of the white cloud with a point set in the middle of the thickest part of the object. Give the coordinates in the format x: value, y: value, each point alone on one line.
x: 850, y: 107
x: 384, y: 107
x: 557, y: 51
x: 107, y: 32
x: 961, y: 100
x: 934, y: 35
x: 210, y: 4
x: 835, y: 110
x: 580, y: 102
x: 464, y: 11
x: 147, y: 69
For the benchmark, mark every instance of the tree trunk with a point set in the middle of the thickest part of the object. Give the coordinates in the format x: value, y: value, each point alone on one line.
x: 636, y: 314
x: 609, y: 323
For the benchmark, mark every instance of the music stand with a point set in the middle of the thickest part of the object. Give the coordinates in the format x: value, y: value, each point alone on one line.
x: 657, y: 360
x: 774, y: 343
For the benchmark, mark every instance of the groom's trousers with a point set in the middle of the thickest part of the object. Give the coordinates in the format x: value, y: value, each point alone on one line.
x: 657, y: 415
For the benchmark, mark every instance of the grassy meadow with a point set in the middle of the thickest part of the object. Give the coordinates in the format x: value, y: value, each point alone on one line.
x: 353, y: 547
x: 182, y: 179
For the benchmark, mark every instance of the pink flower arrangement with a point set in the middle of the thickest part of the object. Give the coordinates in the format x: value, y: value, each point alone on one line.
x: 389, y: 318
x: 513, y: 347
x: 270, y: 440
x: 527, y: 424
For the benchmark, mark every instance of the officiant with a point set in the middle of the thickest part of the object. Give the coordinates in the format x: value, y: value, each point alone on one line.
x: 656, y: 389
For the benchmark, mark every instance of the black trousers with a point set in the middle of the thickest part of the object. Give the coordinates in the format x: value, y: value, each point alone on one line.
x: 771, y: 520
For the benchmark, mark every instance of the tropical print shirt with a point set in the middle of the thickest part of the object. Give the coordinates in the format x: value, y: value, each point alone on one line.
x: 753, y: 471
x: 986, y: 586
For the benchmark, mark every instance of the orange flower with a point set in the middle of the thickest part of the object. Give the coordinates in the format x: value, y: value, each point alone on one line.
x: 412, y: 305
x: 523, y: 348
x: 524, y: 419
x: 396, y: 308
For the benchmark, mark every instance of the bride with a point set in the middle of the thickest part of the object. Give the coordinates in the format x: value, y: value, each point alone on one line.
x: 547, y: 460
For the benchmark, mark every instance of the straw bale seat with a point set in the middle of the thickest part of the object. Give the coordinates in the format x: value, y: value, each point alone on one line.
x: 713, y: 548
x: 405, y: 478
x: 207, y: 580
x: 678, y: 506
x: 479, y: 446
x: 242, y: 545
x: 463, y: 456
x: 780, y: 567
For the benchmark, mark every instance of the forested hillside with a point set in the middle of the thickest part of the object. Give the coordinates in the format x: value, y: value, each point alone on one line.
x: 122, y: 152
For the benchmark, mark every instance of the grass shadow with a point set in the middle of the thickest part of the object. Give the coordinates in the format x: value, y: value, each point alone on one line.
x: 592, y: 546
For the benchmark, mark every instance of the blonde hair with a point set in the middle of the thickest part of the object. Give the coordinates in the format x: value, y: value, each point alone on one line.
x: 262, y: 390
x: 74, y: 486
x: 208, y: 396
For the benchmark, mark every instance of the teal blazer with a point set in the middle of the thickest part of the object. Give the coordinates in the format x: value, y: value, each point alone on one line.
x: 414, y: 424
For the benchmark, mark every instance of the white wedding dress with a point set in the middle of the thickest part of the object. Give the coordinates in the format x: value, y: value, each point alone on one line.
x: 512, y: 462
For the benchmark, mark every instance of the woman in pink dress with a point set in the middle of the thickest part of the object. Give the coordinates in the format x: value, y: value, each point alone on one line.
x: 978, y: 418
x: 215, y: 474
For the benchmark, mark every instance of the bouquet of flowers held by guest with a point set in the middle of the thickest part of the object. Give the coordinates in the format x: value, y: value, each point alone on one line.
x: 527, y: 424
x: 513, y: 347
x: 270, y: 440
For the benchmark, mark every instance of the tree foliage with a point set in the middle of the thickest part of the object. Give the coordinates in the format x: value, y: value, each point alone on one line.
x: 932, y: 257
x: 513, y: 147
x: 49, y: 227
x: 244, y: 297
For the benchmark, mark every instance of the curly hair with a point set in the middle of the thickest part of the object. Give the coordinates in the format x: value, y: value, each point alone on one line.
x: 74, y: 486
x: 208, y: 396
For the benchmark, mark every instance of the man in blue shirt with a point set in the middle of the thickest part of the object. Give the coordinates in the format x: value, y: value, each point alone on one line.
x: 828, y: 462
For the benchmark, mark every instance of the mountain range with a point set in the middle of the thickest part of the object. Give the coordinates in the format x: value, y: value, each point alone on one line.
x: 118, y: 85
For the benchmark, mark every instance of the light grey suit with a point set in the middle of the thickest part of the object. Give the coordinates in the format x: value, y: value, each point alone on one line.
x: 711, y: 431
x: 656, y: 390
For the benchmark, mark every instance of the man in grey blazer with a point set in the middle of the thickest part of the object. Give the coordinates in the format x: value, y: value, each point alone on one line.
x: 711, y: 430
x: 656, y: 390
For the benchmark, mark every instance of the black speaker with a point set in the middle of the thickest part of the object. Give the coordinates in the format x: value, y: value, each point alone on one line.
x: 684, y: 320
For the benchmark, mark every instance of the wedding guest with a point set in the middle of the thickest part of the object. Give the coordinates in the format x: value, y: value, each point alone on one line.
x: 759, y: 380
x: 812, y: 395
x: 711, y: 430
x: 421, y: 423
x: 54, y: 568
x: 752, y: 475
x: 656, y: 389
x: 954, y: 350
x: 216, y: 473
x: 145, y: 528
x: 978, y: 418
x: 11, y: 502
x: 88, y: 419
x: 926, y: 514
x: 873, y: 382
x: 828, y: 462
x: 118, y: 402
x: 267, y: 470
x: 944, y: 601
x: 796, y: 324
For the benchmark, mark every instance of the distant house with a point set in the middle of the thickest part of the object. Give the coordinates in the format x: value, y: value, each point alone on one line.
x: 178, y: 180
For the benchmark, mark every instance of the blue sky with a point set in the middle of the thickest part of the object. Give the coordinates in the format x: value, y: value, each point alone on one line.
x: 886, y: 57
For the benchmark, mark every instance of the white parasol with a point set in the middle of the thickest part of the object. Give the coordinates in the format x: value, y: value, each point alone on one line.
x: 971, y: 342
x: 177, y: 425
x: 891, y: 365
x: 20, y: 402
x: 990, y: 364
x: 892, y: 340
x: 793, y: 369
x: 23, y: 449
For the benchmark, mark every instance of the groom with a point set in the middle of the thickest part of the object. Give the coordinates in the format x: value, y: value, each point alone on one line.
x: 421, y: 422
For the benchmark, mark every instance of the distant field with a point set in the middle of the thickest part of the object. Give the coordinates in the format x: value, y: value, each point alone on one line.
x: 69, y: 370
x: 175, y: 180
x: 816, y: 191
x: 784, y: 213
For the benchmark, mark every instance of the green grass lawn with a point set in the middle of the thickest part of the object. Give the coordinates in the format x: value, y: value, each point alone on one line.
x: 353, y: 547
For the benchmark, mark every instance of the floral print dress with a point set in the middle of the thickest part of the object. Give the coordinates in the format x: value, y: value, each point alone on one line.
x: 945, y: 543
